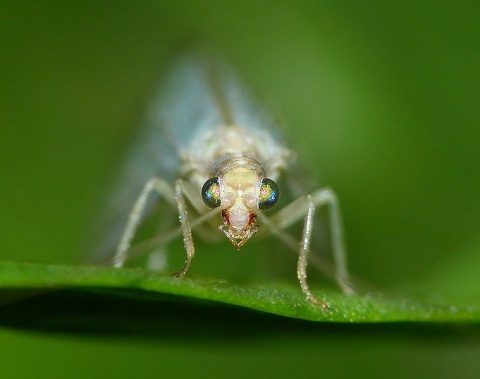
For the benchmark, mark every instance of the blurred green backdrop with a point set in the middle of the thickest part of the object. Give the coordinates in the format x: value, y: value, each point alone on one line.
x: 382, y: 100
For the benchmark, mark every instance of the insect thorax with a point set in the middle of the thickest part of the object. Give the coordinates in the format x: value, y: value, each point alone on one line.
x: 215, y: 152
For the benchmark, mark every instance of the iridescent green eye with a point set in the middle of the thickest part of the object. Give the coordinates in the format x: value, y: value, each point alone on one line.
x: 269, y: 194
x: 211, y: 193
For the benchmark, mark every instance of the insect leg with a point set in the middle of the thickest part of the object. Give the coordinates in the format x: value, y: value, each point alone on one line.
x: 186, y: 229
x: 328, y: 196
x: 304, y: 207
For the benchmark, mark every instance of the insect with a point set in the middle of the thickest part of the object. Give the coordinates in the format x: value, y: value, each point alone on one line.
x: 205, y: 146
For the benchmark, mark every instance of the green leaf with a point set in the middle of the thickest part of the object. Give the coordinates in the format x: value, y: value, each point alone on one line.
x: 45, y: 296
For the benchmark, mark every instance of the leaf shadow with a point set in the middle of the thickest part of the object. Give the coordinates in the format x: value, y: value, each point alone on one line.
x: 126, y: 313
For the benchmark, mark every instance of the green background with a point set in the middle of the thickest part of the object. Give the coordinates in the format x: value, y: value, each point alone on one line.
x: 381, y: 99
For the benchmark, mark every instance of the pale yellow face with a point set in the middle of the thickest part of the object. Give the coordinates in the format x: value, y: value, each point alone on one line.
x: 239, y: 195
x: 240, y: 192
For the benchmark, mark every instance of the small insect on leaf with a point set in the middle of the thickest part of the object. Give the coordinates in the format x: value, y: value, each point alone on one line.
x: 205, y: 146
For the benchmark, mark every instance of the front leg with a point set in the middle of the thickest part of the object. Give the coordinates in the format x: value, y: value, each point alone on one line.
x: 317, y: 199
x: 173, y: 197
x: 186, y: 229
x: 176, y: 197
x: 304, y: 208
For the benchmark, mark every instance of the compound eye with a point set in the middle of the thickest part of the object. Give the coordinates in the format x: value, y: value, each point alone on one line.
x: 211, y: 193
x: 269, y: 194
